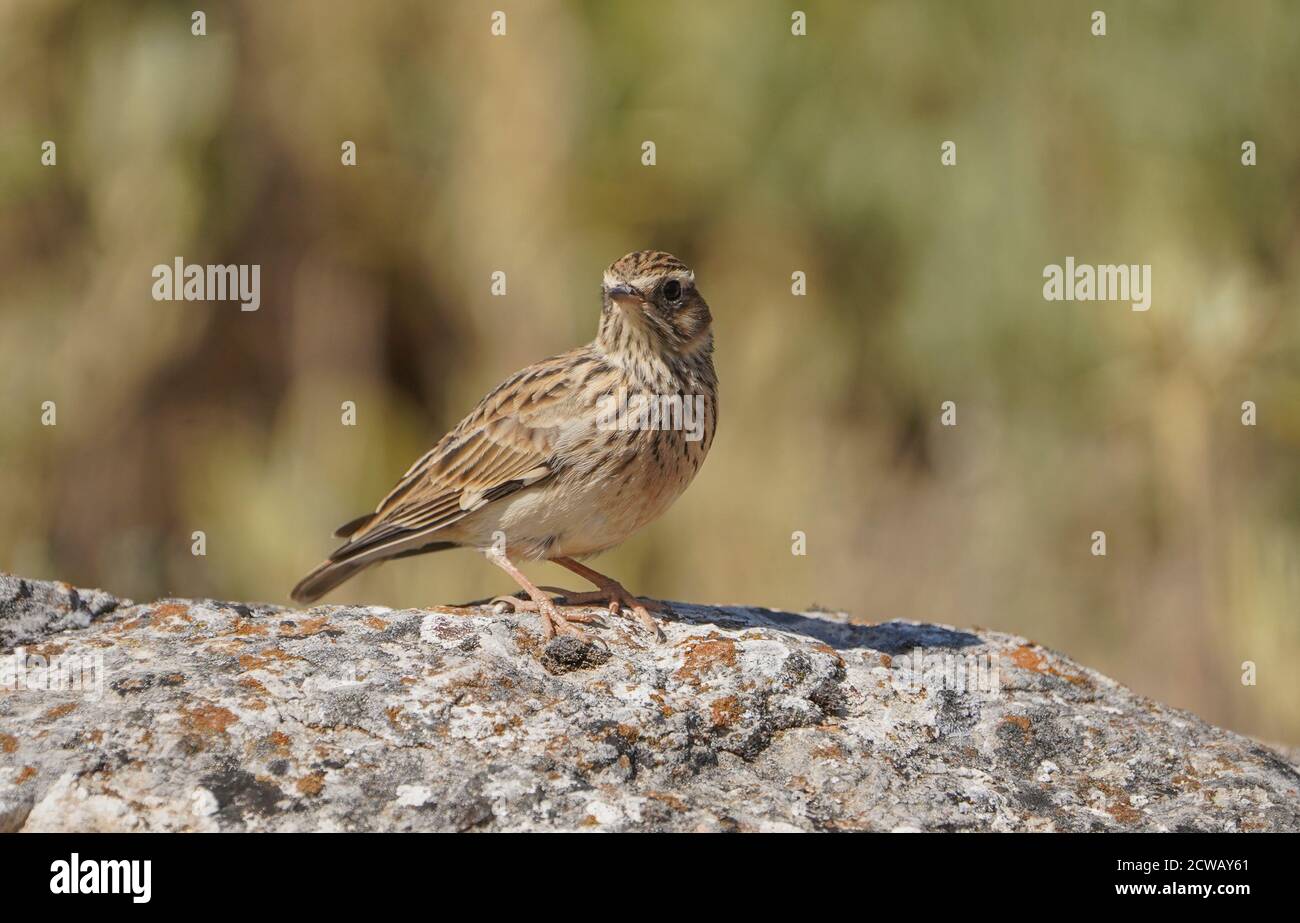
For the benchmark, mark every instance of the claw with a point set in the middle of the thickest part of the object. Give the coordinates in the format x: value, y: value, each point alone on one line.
x: 554, y: 620
x: 615, y: 600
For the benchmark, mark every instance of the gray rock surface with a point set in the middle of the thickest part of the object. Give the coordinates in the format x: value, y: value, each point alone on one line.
x: 34, y: 609
x: 206, y: 715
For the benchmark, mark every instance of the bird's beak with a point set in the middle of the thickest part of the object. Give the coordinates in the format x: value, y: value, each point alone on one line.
x: 623, y: 292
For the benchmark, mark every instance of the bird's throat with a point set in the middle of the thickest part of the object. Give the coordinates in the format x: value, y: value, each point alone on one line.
x: 624, y: 334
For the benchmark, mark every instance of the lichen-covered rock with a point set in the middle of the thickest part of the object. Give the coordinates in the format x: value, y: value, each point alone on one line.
x: 34, y: 609
x: 208, y: 715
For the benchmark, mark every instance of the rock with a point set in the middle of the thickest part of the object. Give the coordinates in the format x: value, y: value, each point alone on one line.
x: 208, y: 715
x: 566, y: 653
x: 33, y: 609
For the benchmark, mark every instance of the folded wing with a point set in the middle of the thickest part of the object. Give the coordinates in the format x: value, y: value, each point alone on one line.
x: 508, y: 443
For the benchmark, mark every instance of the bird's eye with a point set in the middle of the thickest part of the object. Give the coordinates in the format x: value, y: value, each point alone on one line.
x: 672, y: 290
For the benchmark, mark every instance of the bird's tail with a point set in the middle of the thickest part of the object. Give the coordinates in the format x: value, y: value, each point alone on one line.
x: 325, y: 577
x: 351, y: 559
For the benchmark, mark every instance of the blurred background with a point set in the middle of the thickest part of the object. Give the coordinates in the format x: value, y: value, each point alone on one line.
x: 775, y: 154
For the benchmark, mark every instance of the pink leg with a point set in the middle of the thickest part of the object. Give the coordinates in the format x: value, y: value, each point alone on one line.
x: 553, y: 621
x: 611, y: 592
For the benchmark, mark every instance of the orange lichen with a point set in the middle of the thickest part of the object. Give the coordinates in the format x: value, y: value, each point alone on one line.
x: 726, y: 711
x: 165, y: 616
x: 1019, y: 721
x: 831, y: 751
x: 208, y: 719
x: 664, y: 708
x: 671, y: 800
x: 306, y: 628
x: 58, y: 711
x: 802, y: 784
x: 1026, y: 658
x: 263, y: 658
x: 502, y: 726
x: 1118, y: 806
x: 129, y: 624
x: 1124, y: 813
x: 706, y: 655
x: 824, y: 648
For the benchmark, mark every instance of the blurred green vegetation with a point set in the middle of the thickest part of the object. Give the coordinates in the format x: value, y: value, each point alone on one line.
x: 775, y: 154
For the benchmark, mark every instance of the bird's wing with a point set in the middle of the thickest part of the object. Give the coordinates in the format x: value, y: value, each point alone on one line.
x: 507, y: 443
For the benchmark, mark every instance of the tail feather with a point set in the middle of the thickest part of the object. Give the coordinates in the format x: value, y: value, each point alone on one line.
x: 325, y: 577
x: 340, y: 567
x: 354, y: 525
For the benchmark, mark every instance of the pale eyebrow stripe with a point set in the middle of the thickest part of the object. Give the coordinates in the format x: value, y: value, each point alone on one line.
x: 647, y: 282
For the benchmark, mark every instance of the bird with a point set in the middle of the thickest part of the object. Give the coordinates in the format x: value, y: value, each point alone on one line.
x: 566, y: 458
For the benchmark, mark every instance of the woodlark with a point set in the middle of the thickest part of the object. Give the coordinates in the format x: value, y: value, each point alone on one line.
x: 565, y: 458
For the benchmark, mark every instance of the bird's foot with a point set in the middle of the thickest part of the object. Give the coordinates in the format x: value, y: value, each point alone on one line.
x: 615, y: 598
x: 554, y: 621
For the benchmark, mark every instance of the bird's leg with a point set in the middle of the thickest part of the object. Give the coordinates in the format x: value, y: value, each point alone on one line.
x: 518, y: 604
x: 611, y: 592
x: 553, y: 621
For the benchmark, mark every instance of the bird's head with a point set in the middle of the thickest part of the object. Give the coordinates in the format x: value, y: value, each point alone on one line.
x: 650, y: 298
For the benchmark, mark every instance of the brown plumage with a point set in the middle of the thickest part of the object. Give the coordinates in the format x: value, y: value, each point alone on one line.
x: 545, y: 467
